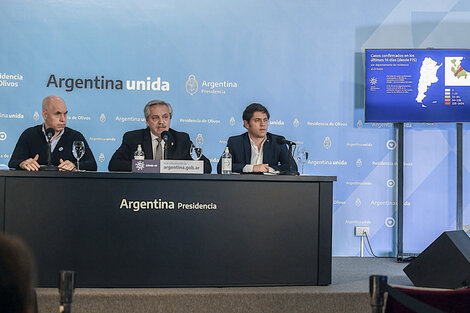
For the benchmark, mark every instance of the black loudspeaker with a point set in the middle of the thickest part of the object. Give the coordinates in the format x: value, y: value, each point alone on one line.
x: 444, y: 264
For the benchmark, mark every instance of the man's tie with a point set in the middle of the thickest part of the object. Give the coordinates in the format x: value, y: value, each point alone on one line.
x: 157, y: 155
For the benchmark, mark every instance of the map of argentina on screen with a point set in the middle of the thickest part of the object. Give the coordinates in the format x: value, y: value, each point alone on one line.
x: 417, y: 85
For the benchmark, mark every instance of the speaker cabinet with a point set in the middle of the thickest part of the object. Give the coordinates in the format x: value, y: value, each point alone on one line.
x: 445, y: 263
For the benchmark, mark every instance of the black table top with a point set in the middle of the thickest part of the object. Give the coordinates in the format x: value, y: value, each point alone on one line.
x: 128, y: 175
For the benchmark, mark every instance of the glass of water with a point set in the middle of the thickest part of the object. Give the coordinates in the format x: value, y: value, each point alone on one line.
x: 301, y: 157
x: 195, y: 152
x: 78, y: 150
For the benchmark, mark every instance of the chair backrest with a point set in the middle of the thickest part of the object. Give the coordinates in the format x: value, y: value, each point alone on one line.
x: 447, y: 300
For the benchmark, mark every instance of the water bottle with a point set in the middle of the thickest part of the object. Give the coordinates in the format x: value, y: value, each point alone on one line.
x: 139, y: 153
x: 226, y: 162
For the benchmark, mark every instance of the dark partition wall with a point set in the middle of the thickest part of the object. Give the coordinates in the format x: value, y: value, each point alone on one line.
x: 2, y: 203
x: 119, y: 230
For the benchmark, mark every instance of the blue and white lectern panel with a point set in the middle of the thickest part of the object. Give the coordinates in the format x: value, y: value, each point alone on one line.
x: 209, y: 59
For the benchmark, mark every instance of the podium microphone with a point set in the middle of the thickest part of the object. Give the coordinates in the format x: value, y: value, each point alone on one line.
x: 165, y: 135
x: 50, y: 133
x: 49, y: 167
x: 66, y: 288
x: 283, y: 141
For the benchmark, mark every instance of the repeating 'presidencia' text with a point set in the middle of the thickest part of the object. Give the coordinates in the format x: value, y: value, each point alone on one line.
x: 159, y: 204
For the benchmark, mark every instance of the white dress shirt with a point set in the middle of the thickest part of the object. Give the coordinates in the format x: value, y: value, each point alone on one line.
x: 256, y: 156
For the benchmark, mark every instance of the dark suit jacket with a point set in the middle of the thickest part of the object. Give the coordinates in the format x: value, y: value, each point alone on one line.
x: 274, y: 154
x: 177, y: 148
x: 32, y: 141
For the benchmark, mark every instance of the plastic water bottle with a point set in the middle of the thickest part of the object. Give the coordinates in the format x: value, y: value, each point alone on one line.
x: 226, y: 162
x: 139, y: 153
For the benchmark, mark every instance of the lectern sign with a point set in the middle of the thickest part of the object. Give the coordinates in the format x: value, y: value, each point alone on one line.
x: 168, y: 166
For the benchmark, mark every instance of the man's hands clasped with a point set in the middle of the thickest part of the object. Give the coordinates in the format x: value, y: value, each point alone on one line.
x: 32, y: 164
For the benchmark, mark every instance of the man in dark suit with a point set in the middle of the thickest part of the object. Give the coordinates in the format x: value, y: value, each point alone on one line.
x: 31, y: 148
x: 258, y: 151
x: 158, y: 116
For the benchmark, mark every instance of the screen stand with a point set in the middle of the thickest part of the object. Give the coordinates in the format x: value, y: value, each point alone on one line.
x: 459, y: 212
x: 459, y: 205
x: 400, y: 151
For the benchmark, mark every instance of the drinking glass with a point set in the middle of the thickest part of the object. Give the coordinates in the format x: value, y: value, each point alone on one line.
x: 301, y: 157
x: 78, y: 150
x: 195, y: 152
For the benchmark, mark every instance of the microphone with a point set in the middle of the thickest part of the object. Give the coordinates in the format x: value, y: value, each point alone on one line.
x: 66, y: 288
x: 283, y: 141
x: 165, y: 135
x: 50, y: 133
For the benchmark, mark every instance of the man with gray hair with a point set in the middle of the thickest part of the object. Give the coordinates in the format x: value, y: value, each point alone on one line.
x: 158, y: 116
x: 31, y: 149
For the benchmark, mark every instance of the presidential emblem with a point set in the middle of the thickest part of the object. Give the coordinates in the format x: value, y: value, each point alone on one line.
x: 3, y: 136
x: 327, y: 143
x: 391, y: 144
x: 359, y: 124
x: 358, y: 202
x: 191, y: 85
x: 296, y: 122
x: 102, y: 118
x: 359, y: 163
x: 389, y: 222
x: 390, y: 183
x: 36, y: 116
x: 232, y: 121
x: 199, y: 140
x: 102, y: 158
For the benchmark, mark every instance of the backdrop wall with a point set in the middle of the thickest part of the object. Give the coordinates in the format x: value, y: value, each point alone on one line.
x: 209, y: 59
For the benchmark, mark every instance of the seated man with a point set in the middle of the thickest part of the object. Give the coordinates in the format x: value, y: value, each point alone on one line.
x: 17, y: 277
x: 158, y: 116
x: 258, y: 151
x: 31, y: 148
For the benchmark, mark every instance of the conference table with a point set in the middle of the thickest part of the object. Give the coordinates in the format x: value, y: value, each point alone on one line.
x: 172, y: 230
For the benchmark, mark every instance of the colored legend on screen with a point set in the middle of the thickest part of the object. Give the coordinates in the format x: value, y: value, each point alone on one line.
x: 447, y: 97
x: 452, y: 97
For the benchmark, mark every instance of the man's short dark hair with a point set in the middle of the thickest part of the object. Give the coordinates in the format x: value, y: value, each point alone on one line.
x: 251, y: 109
x: 17, y: 276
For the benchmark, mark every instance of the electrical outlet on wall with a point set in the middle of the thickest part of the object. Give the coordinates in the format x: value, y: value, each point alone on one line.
x: 360, y: 231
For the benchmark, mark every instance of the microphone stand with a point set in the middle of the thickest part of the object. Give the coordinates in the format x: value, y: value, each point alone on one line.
x: 377, y: 285
x: 165, y: 138
x: 290, y: 171
x: 165, y: 150
x: 49, y: 166
x: 66, y: 289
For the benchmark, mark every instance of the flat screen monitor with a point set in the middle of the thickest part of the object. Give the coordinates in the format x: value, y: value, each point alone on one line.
x: 417, y: 85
